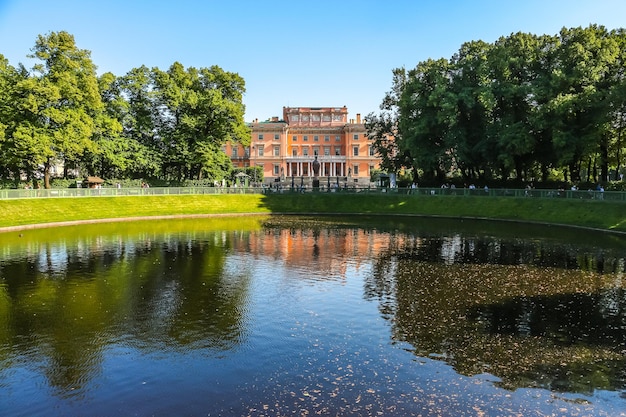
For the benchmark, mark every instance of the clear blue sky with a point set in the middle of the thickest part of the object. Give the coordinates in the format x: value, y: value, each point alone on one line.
x: 290, y: 53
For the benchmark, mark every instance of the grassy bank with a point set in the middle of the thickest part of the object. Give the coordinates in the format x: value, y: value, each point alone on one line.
x: 588, y: 213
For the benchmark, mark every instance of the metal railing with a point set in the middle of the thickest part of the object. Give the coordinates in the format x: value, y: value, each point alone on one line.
x: 324, y: 188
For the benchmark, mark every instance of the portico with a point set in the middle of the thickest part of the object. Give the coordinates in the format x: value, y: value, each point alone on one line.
x: 330, y: 166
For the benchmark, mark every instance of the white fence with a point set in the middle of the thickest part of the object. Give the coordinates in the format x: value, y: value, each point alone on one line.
x: 495, y: 192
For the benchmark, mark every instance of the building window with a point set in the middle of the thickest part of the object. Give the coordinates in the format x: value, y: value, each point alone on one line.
x: 355, y: 151
x: 276, y: 169
x: 371, y: 167
x: 305, y: 151
x: 337, y: 150
x: 326, y: 138
x: 337, y: 138
x: 316, y: 151
x: 235, y: 153
x: 246, y: 152
x: 305, y: 138
x: 355, y: 170
x: 260, y: 149
x: 294, y: 138
x: 371, y: 151
x: 276, y: 136
x: 260, y: 136
x: 327, y: 150
x: 355, y: 137
x: 316, y: 138
x: 276, y: 150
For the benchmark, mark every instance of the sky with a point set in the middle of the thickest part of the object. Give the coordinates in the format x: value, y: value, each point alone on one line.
x: 324, y: 53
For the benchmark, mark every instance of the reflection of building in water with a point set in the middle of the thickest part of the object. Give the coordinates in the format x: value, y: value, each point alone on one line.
x: 287, y: 147
x: 331, y: 252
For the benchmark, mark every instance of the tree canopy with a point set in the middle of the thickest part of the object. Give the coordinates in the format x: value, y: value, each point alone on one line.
x: 148, y: 123
x: 524, y: 108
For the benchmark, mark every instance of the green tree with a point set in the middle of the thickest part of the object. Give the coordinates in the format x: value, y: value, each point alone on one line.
x: 200, y: 110
x: 133, y: 100
x: 617, y: 106
x: 116, y: 155
x: 383, y: 130
x: 579, y: 104
x: 57, y: 104
x: 9, y: 76
x: 425, y: 117
x: 541, y: 116
x: 474, y: 153
x: 513, y: 67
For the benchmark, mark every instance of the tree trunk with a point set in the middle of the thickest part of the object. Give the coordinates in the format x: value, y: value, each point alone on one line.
x: 519, y: 171
x: 46, y: 175
x: 620, y: 128
x: 574, y: 171
x: 604, y: 162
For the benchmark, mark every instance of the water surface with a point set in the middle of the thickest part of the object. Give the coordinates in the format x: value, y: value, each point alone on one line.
x: 289, y: 316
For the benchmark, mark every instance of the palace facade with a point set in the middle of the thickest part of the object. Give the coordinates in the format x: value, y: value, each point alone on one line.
x: 286, y: 148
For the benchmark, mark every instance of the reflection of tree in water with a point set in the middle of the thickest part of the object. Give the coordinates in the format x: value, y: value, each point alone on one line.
x: 468, y: 250
x: 528, y: 324
x: 569, y: 321
x: 191, y: 302
x: 66, y: 308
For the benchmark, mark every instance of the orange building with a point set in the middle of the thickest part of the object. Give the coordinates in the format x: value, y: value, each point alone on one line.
x: 286, y: 148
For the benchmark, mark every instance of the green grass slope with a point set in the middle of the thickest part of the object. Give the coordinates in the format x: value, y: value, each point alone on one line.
x: 585, y: 213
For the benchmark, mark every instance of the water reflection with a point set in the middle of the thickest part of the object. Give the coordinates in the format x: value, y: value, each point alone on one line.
x: 270, y: 299
x: 66, y: 302
x: 533, y: 313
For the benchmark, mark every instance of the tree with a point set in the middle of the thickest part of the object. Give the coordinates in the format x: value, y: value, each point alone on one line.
x: 116, y: 155
x: 580, y: 105
x: 134, y: 101
x: 527, y: 105
x: 199, y: 111
x: 57, y: 104
x: 617, y: 104
x: 425, y: 117
x: 382, y: 129
x: 512, y: 63
x: 9, y: 77
x: 469, y: 129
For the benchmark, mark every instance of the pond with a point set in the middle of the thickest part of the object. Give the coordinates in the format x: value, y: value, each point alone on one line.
x: 274, y: 316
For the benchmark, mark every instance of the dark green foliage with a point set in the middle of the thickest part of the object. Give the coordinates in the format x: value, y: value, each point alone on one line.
x: 526, y: 108
x: 169, y: 126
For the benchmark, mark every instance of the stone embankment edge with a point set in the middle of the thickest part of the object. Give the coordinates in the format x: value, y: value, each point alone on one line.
x: 22, y: 227
x: 7, y: 229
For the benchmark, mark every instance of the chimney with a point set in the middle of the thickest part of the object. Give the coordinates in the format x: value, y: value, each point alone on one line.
x: 358, y: 117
